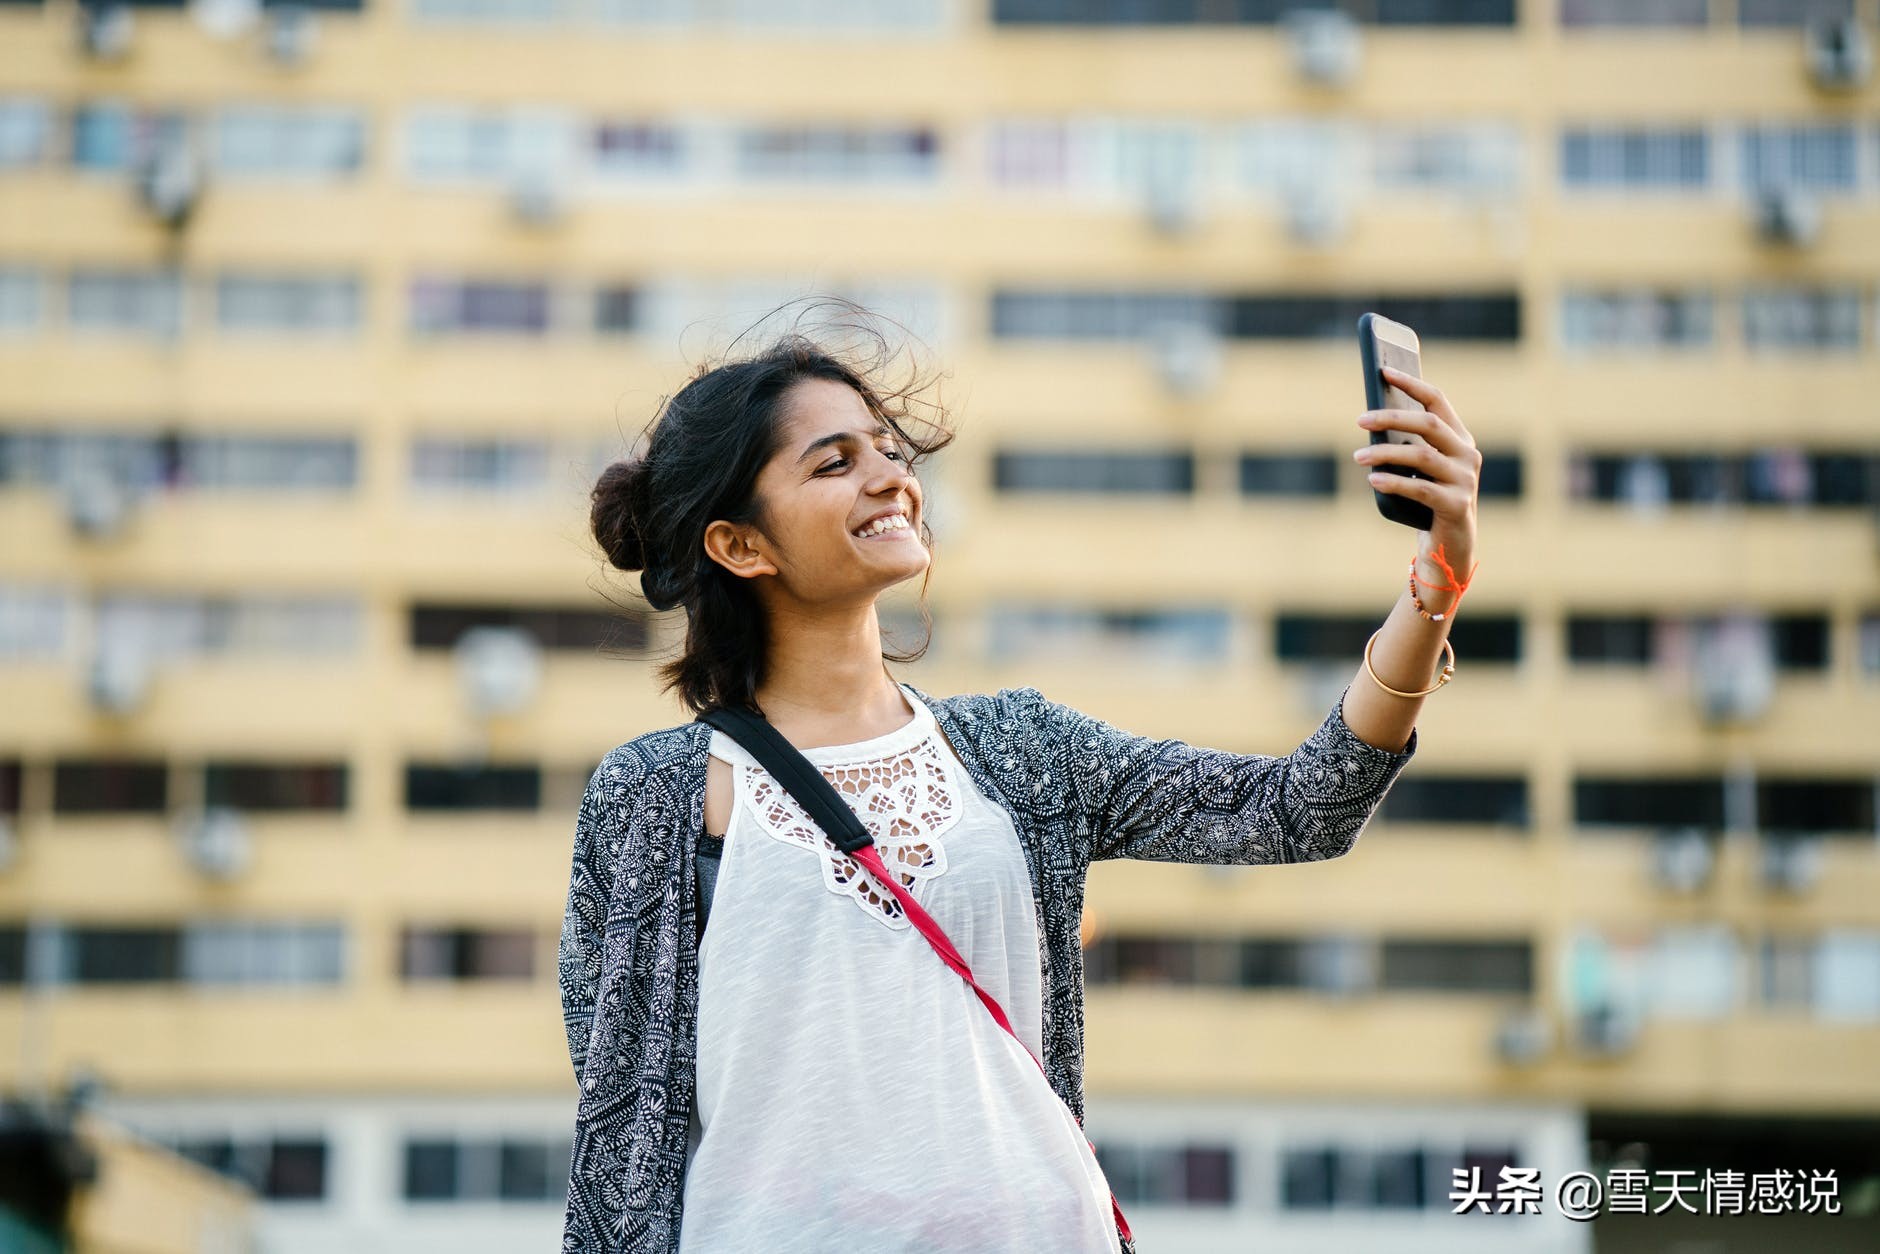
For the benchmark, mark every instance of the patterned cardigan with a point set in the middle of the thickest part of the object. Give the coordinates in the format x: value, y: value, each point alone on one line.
x: 1076, y: 788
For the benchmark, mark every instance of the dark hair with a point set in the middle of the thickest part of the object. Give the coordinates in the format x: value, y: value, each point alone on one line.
x: 709, y: 441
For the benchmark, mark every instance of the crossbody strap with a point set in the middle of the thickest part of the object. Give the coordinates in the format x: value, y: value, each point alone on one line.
x: 818, y: 796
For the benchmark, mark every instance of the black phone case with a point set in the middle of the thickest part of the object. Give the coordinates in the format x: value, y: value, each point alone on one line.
x: 1397, y: 508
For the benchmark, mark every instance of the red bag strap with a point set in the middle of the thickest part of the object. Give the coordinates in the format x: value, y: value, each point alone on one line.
x: 943, y: 946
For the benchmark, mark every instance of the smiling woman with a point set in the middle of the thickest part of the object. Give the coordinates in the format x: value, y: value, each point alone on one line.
x: 746, y: 504
x: 806, y: 1073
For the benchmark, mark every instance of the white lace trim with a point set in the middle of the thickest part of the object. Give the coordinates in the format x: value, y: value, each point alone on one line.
x: 904, y: 794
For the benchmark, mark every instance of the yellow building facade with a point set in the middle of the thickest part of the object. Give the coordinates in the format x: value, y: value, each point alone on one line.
x: 316, y: 325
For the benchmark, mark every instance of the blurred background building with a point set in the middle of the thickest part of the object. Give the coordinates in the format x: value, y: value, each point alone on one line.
x: 317, y: 322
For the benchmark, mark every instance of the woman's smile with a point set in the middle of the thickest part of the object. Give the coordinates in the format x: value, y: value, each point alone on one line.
x: 893, y: 526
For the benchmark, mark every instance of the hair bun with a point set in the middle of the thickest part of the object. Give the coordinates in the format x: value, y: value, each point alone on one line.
x: 622, y: 502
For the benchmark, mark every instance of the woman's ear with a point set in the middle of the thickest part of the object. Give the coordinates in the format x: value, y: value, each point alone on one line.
x: 734, y: 547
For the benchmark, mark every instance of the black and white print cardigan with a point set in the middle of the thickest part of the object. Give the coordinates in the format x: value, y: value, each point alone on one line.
x: 1076, y: 788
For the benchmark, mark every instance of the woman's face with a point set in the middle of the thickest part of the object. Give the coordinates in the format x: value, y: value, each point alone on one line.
x: 837, y: 470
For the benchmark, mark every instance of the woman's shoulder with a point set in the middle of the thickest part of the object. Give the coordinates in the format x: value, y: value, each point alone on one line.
x: 1006, y: 713
x: 640, y: 761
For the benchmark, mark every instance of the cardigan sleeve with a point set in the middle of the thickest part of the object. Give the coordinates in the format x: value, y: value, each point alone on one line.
x: 1169, y: 801
x: 598, y: 840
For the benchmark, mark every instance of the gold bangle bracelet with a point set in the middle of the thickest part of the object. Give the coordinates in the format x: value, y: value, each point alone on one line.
x: 1449, y: 669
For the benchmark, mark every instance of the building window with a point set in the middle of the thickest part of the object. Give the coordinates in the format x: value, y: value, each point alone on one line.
x: 1397, y: 1178
x: 1817, y: 805
x: 1786, y: 971
x: 430, y: 953
x: 1637, y: 319
x: 1288, y: 155
x: 109, y: 135
x: 616, y: 310
x: 486, y: 787
x: 1694, y: 972
x: 1314, y: 638
x: 1495, y: 318
x: 109, y: 786
x: 493, y: 11
x: 33, y: 621
x: 1169, y: 472
x: 274, y: 787
x: 1663, y: 802
x: 246, y: 463
x: 1166, y: 634
x: 267, y: 954
x: 838, y: 154
x: 451, y: 144
x: 1817, y: 157
x: 1031, y: 154
x: 1793, y: 641
x: 284, y: 141
x: 1635, y: 158
x: 1790, y: 12
x: 125, y: 302
x: 12, y: 955
x: 1587, y: 13
x: 1168, y: 1175
x: 1456, y: 966
x: 1458, y: 799
x: 1472, y: 157
x: 1795, y: 317
x: 277, y: 1169
x: 1261, y: 12
x: 25, y: 131
x: 443, y: 463
x: 1799, y: 641
x: 213, y: 627
x: 1772, y: 476
x: 1847, y: 976
x: 1486, y: 638
x: 440, y: 626
x: 628, y: 152
x: 119, y: 955
x: 1608, y: 639
x: 1288, y: 474
x: 22, y: 299
x: 1501, y: 476
x: 515, y: 1169
x: 172, y: 461
x: 445, y: 306
x: 430, y: 1171
x: 287, y: 303
x: 1347, y: 1177
x: 1098, y: 315
x: 1310, y: 1178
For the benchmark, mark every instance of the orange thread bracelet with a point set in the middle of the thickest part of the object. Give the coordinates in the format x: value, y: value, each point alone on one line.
x: 1459, y: 587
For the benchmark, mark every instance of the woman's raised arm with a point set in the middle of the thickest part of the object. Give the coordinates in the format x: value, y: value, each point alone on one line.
x: 1169, y: 801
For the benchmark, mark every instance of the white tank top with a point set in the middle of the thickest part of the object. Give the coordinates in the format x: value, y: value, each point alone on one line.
x: 853, y: 1092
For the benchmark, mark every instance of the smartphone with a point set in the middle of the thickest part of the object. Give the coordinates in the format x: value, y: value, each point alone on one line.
x: 1382, y: 342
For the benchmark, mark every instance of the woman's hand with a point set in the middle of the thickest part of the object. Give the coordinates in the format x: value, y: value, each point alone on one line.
x: 1448, y: 456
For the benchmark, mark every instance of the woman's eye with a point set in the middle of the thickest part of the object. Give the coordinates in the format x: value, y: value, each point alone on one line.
x: 843, y: 461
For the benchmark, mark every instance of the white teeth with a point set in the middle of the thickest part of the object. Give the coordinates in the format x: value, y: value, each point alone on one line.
x: 893, y: 522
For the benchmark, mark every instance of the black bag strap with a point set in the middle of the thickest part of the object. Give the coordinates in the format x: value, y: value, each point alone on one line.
x: 797, y: 774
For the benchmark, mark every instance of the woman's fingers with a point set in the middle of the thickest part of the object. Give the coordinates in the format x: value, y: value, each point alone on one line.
x: 1429, y: 396
x: 1429, y: 425
x: 1456, y: 468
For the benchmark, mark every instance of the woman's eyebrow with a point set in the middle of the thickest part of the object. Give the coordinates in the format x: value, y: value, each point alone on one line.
x: 840, y: 437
